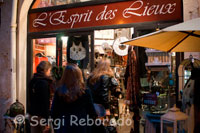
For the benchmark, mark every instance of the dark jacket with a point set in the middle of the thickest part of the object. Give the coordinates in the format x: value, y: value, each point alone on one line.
x: 100, y: 90
x: 39, y: 95
x: 81, y: 108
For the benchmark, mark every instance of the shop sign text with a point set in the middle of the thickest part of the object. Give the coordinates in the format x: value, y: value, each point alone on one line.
x: 136, y: 11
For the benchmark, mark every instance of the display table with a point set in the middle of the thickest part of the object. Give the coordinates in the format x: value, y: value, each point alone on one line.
x: 152, y: 124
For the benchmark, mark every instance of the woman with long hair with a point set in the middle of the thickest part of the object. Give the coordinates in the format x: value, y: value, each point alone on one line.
x: 103, y: 68
x: 100, y: 81
x: 40, y: 87
x: 72, y: 101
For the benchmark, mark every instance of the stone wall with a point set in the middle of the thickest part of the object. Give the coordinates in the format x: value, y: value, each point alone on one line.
x: 7, y: 65
x: 191, y: 9
x: 5, y: 59
x: 22, y: 50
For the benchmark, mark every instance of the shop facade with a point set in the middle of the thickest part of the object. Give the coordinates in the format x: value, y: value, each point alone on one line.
x: 83, y: 25
x: 60, y: 25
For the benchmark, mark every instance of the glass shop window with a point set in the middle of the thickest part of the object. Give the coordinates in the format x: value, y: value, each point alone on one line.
x: 44, y: 49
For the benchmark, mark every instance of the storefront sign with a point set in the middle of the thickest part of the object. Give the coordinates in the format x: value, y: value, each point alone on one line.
x: 119, y: 13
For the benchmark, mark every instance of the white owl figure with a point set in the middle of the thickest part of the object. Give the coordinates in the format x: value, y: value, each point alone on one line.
x: 77, y: 52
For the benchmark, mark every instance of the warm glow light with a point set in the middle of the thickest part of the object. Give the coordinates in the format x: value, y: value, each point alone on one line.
x: 121, y: 22
x: 64, y: 39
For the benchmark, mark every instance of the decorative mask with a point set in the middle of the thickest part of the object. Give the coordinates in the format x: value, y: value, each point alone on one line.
x: 77, y: 52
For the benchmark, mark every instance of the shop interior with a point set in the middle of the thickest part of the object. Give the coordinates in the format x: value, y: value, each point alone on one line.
x: 156, y: 94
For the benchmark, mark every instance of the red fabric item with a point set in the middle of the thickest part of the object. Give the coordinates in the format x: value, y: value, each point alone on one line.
x: 133, y: 86
x: 133, y: 82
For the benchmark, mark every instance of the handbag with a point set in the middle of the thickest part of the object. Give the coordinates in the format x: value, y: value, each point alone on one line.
x: 100, y: 110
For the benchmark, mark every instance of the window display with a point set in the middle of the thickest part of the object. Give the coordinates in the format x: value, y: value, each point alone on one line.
x: 78, y: 50
x: 44, y: 49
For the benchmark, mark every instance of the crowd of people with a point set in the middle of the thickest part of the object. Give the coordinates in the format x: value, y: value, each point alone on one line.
x: 73, y: 99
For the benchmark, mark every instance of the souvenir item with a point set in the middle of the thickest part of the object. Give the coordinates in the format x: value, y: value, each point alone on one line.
x: 119, y: 48
x: 77, y: 52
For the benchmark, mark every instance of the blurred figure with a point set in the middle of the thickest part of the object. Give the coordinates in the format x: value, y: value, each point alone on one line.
x: 72, y: 101
x: 191, y: 100
x: 100, y: 82
x: 39, y: 95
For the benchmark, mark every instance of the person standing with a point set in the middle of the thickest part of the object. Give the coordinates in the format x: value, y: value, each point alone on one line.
x: 39, y: 96
x: 100, y: 82
x: 72, y: 102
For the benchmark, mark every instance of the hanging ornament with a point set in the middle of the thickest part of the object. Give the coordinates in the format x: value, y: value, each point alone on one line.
x: 77, y: 52
x: 120, y: 49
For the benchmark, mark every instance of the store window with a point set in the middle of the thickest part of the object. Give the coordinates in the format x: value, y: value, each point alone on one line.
x: 48, y: 3
x: 61, y: 50
x: 44, y: 49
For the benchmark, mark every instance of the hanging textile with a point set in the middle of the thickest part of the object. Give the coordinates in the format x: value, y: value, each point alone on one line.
x: 132, y: 84
x: 78, y: 51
